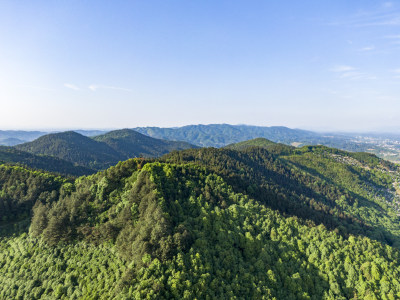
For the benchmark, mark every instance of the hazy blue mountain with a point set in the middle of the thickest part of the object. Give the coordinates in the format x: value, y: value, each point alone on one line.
x: 384, y: 145
x: 22, y: 135
x: 11, y: 142
x: 91, y: 132
x: 219, y: 135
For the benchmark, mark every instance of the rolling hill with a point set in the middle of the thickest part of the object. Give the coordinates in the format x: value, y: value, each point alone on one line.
x: 12, y: 156
x: 130, y: 143
x: 73, y: 147
x: 100, y: 151
x: 305, y: 223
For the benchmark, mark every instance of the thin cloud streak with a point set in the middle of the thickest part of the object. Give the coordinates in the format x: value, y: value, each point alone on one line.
x: 342, y: 68
x: 71, y: 86
x: 351, y: 73
x: 95, y: 87
x: 387, y: 15
x: 368, y: 48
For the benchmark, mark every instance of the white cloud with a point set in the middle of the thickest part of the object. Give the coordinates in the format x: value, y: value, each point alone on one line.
x: 95, y: 87
x: 71, y: 86
x: 356, y: 76
x: 368, y: 48
x: 351, y: 73
x: 342, y: 68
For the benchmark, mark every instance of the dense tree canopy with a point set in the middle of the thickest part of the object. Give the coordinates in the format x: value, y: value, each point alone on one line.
x: 281, y: 223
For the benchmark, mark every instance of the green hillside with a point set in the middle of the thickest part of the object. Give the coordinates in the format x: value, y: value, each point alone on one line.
x: 102, y: 151
x: 73, y: 147
x: 21, y: 188
x: 308, y: 223
x: 262, y: 143
x: 258, y: 142
x: 129, y: 143
x: 13, y: 156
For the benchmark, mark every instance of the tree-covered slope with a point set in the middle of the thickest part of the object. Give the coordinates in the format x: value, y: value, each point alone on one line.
x: 75, y: 148
x: 258, y: 142
x: 102, y: 151
x: 353, y: 192
x: 129, y: 143
x: 10, y: 155
x: 262, y: 143
x: 309, y: 223
x: 21, y: 188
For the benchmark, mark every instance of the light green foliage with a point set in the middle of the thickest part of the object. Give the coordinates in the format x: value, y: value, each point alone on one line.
x: 31, y: 270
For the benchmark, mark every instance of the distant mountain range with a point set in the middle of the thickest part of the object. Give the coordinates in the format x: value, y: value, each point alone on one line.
x: 101, y: 151
x: 220, y: 135
x: 15, y: 137
x: 384, y: 145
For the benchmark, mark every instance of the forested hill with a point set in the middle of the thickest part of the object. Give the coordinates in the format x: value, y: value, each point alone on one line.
x: 12, y: 156
x: 262, y: 143
x: 101, y: 151
x: 129, y: 143
x: 73, y: 147
x: 21, y: 188
x: 308, y: 223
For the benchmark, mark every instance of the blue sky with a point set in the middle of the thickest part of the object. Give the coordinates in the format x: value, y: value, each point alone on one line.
x: 321, y: 65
